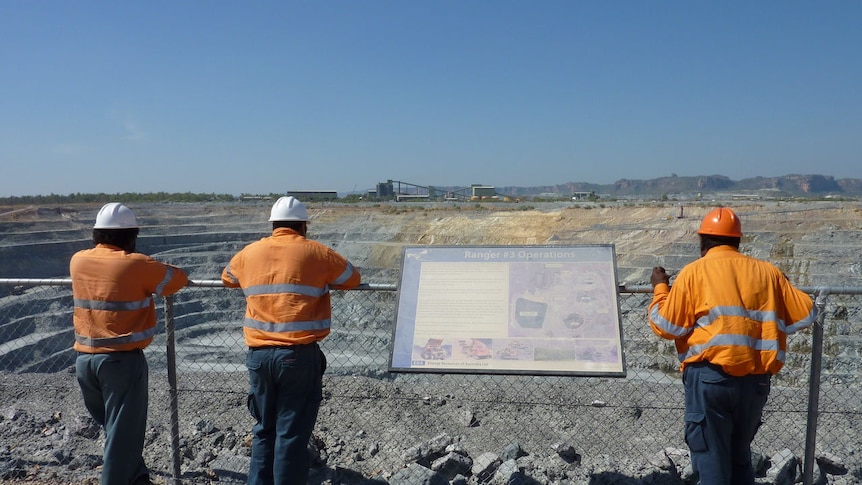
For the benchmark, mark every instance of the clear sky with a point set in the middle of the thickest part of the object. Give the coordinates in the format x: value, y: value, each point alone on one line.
x: 268, y: 96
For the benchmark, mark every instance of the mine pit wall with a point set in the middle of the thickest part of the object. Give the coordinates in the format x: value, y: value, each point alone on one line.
x: 39, y: 260
x: 202, y: 242
x: 36, y: 336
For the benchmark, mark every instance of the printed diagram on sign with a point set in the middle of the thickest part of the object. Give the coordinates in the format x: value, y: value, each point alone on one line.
x: 515, y: 350
x: 560, y: 301
x: 435, y: 350
x: 476, y: 348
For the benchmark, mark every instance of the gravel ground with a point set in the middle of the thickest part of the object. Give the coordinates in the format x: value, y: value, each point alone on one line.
x: 47, y: 438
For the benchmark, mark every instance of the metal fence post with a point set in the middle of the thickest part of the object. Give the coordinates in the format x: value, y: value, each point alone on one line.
x: 172, y: 383
x: 814, y: 387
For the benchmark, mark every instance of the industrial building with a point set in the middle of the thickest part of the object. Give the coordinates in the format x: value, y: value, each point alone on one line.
x: 406, y: 191
x: 314, y: 195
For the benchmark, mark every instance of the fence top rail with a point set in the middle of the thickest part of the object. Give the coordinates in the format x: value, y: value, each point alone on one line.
x: 811, y: 290
x: 199, y: 283
x: 363, y: 286
x: 35, y: 282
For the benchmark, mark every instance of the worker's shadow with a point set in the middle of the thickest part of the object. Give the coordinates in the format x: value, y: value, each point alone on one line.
x: 345, y: 476
x: 654, y: 478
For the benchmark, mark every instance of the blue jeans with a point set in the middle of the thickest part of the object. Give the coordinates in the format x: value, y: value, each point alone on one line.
x: 285, y: 392
x: 115, y: 391
x: 722, y: 415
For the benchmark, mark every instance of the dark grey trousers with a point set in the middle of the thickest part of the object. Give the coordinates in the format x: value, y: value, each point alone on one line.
x: 722, y: 415
x: 115, y: 391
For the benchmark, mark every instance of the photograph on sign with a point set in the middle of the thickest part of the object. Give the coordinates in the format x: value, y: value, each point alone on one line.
x: 508, y: 310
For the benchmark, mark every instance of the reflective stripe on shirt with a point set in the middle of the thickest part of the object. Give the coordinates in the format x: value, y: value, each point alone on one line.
x: 230, y: 275
x: 169, y: 275
x: 666, y: 325
x: 113, y: 306
x: 287, y: 326
x: 727, y: 311
x: 122, y: 339
x: 734, y: 340
x: 348, y: 272
x: 804, y: 323
x: 735, y: 311
x: 285, y: 288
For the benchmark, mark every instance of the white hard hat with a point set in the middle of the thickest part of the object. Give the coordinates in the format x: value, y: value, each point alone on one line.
x: 288, y: 209
x: 115, y: 216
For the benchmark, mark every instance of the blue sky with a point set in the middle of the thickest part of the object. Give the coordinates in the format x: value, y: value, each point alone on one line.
x: 268, y: 96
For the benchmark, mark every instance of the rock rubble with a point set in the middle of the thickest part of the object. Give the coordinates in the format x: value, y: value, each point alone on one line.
x: 52, y: 449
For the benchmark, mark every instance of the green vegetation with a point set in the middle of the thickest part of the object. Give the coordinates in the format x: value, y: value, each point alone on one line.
x: 127, y: 197
x: 189, y: 197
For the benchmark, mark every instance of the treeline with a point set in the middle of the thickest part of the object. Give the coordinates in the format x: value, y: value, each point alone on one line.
x: 126, y: 197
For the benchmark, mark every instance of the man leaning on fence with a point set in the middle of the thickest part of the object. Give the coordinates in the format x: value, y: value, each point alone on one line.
x: 115, y: 319
x: 286, y: 280
x: 729, y: 315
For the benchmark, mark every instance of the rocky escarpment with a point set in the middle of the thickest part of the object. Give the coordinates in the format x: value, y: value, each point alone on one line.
x: 705, y: 187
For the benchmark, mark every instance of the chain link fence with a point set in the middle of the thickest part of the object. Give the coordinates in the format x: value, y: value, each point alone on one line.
x: 372, y: 422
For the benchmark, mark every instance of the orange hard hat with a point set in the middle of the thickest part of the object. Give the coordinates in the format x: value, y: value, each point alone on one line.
x: 721, y: 222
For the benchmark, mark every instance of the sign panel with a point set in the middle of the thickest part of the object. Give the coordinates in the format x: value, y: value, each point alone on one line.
x: 508, y: 310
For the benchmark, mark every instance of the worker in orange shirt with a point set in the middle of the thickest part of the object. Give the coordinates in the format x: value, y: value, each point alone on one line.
x: 729, y: 316
x: 115, y: 319
x: 286, y: 280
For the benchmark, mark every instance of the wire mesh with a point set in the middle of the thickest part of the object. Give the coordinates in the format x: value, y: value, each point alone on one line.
x: 373, y: 423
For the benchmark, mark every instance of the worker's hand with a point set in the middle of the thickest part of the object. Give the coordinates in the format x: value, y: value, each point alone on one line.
x: 659, y: 275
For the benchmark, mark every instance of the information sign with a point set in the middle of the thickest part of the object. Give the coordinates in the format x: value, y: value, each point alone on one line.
x: 508, y: 310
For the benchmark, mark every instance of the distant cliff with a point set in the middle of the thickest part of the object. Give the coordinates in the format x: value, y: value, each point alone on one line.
x: 786, y: 185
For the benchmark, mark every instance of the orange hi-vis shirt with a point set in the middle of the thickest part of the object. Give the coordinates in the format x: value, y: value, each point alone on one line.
x: 113, y: 292
x: 286, y: 280
x: 730, y: 310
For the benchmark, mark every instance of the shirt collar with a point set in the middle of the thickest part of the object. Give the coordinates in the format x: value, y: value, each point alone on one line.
x: 721, y: 250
